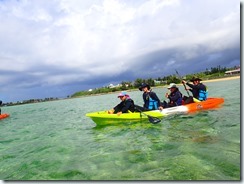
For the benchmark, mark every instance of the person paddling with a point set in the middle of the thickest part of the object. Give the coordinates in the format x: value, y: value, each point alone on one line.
x: 150, y: 98
x: 126, y: 105
x: 175, y: 96
x: 199, y: 90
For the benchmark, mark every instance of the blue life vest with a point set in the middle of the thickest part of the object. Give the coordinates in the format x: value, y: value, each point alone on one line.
x: 203, y: 95
x: 153, y: 104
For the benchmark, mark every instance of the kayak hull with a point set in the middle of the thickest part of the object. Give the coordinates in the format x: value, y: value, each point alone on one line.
x: 103, y: 118
x: 210, y: 103
x: 3, y: 116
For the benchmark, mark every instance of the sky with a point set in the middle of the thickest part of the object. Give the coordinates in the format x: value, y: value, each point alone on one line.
x: 56, y: 48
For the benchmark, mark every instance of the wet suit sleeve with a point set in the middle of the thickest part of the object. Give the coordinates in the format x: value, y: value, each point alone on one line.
x: 199, y: 87
x: 193, y: 89
x: 155, y: 97
x: 128, y: 103
x: 190, y: 85
x: 144, y: 96
x: 118, y: 107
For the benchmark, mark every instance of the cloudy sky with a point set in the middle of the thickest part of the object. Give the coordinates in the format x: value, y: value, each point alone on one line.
x: 53, y: 48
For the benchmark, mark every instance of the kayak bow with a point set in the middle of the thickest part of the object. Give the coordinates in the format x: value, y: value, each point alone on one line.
x: 102, y: 117
x: 2, y: 116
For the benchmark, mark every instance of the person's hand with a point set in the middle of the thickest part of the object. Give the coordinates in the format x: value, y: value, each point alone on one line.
x: 160, y: 108
x: 166, y: 95
x: 183, y: 81
x: 119, y: 113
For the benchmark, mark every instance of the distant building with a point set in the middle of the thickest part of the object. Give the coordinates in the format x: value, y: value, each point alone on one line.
x: 111, y: 86
x: 233, y: 72
x: 157, y: 82
x: 114, y: 86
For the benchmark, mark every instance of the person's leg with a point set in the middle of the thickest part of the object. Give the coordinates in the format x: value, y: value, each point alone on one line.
x: 116, y: 110
x: 189, y: 100
x: 140, y: 108
x: 164, y: 104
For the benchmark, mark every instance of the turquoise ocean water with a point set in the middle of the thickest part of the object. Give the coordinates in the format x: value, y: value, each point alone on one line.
x: 56, y: 141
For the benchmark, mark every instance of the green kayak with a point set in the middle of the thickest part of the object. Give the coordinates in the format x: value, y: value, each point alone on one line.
x: 103, y: 118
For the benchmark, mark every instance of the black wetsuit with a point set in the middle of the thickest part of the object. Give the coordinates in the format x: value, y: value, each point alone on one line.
x: 175, y: 99
x: 195, y: 89
x: 0, y: 106
x: 125, y: 106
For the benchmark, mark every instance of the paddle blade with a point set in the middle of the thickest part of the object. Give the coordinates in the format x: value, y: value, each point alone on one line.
x: 154, y: 120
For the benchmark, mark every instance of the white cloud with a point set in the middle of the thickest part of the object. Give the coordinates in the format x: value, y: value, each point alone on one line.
x: 97, y: 38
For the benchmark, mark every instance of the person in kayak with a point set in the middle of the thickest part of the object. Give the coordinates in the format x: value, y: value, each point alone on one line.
x: 199, y: 90
x: 150, y: 98
x: 126, y: 104
x: 175, y: 97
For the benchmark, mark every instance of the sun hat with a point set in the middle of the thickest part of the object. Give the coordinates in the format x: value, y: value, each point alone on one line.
x: 172, y: 85
x: 143, y: 85
x: 195, y: 79
x: 123, y: 93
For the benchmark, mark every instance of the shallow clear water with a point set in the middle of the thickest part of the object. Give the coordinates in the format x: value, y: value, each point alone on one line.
x: 56, y: 141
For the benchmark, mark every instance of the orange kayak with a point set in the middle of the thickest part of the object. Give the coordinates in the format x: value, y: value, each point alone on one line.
x: 210, y: 103
x: 2, y: 116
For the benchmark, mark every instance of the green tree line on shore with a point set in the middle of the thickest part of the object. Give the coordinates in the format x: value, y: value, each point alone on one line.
x: 208, y: 74
x: 212, y: 73
x: 30, y: 101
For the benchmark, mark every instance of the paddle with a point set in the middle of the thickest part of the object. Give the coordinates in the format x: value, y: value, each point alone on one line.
x: 182, y: 82
x: 153, y: 120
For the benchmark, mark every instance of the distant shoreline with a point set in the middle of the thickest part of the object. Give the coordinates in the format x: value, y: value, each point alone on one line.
x: 130, y: 90
x: 222, y: 79
x: 210, y: 80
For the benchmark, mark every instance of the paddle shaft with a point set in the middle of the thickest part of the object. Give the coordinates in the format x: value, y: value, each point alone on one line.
x: 153, y: 120
x: 182, y: 82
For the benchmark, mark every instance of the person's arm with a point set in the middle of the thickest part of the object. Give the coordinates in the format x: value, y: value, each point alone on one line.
x: 154, y: 96
x: 199, y: 87
x: 125, y: 109
x: 190, y: 85
x: 144, y: 95
x: 116, y: 107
